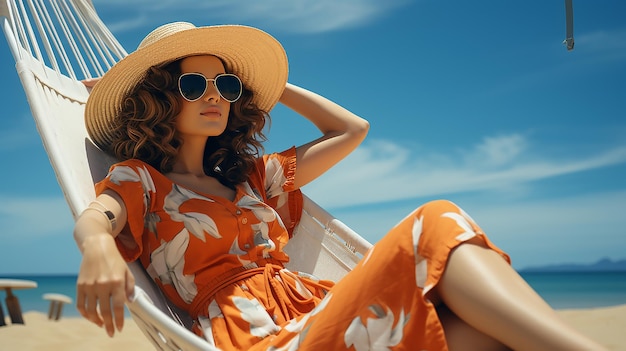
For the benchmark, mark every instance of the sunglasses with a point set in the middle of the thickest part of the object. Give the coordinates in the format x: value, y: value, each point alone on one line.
x: 192, y: 86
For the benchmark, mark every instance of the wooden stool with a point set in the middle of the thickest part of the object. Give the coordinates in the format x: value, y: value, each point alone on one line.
x: 13, y: 303
x: 56, y: 304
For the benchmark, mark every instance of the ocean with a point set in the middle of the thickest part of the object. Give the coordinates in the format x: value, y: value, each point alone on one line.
x: 562, y: 290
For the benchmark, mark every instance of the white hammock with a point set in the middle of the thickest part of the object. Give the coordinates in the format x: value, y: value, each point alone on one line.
x: 57, y: 43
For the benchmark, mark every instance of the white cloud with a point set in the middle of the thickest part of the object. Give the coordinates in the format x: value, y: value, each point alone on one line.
x: 15, y: 139
x: 36, y: 236
x: 25, y: 218
x: 383, y: 171
x: 18, y: 136
x: 602, y: 40
x: 129, y: 24
x: 304, y: 16
x: 497, y: 151
x: 383, y: 181
x: 581, y: 228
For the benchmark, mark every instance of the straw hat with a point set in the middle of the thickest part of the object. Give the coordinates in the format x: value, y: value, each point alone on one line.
x: 255, y: 56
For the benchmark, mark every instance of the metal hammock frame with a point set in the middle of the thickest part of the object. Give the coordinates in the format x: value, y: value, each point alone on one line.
x: 569, y: 25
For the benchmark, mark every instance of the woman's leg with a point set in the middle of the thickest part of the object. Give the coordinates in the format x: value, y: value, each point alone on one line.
x: 481, y: 288
x: 388, y: 299
x: 461, y: 336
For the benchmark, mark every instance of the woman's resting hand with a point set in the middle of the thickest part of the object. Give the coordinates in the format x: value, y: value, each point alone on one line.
x: 104, y: 283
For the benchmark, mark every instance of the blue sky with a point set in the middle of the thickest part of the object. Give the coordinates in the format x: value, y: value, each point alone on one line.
x: 476, y: 102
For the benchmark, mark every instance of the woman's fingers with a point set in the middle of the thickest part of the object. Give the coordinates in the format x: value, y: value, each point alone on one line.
x: 105, y: 312
x: 80, y: 301
x: 130, y: 285
x: 102, y: 283
x: 87, y: 303
x: 103, y: 304
x: 117, y: 300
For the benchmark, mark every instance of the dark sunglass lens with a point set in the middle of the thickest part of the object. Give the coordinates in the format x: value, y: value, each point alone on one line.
x: 192, y: 86
x: 229, y: 87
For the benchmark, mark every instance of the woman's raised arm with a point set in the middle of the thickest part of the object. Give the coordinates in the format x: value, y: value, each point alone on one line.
x: 342, y: 132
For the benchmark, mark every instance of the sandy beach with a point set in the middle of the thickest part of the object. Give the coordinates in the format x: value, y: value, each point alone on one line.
x: 607, y: 325
x: 68, y: 334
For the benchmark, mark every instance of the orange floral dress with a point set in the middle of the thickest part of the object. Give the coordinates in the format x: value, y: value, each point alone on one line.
x: 222, y: 261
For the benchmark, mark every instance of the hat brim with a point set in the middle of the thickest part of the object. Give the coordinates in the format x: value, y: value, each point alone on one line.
x: 252, y: 54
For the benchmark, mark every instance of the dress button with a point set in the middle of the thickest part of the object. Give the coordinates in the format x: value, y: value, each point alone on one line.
x: 238, y: 212
x: 244, y: 220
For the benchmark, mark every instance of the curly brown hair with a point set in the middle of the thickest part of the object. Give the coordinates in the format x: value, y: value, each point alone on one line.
x: 145, y: 129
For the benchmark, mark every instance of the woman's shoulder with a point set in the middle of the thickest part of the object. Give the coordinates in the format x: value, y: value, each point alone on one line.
x: 284, y: 156
x: 135, y: 169
x: 135, y: 164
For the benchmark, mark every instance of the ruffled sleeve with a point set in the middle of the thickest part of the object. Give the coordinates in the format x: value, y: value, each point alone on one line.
x: 132, y: 181
x: 280, y: 172
x: 276, y: 173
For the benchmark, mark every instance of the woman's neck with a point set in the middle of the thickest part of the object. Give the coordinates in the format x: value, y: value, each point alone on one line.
x: 190, y: 158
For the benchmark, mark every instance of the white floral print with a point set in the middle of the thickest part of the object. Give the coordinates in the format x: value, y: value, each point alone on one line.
x: 128, y: 174
x: 207, y: 330
x: 260, y: 209
x: 421, y: 265
x: 261, y: 325
x: 379, y: 333
x: 167, y: 263
x: 274, y: 184
x: 265, y: 214
x: 463, y: 222
x: 262, y: 238
x: 141, y: 175
x: 214, y: 311
x: 197, y: 223
x: 236, y: 250
x: 151, y: 219
x: 301, y: 326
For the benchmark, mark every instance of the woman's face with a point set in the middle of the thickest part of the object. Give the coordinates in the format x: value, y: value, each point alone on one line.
x: 207, y: 116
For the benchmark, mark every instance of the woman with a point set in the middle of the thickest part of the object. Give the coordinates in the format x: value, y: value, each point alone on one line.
x: 208, y: 216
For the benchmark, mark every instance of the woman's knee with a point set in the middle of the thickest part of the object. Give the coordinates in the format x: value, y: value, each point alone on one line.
x: 443, y: 225
x: 437, y: 210
x: 440, y: 206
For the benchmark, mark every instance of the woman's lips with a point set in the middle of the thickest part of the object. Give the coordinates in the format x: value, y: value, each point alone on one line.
x: 212, y: 112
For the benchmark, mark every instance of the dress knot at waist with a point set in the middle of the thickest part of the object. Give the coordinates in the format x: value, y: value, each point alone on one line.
x: 207, y: 293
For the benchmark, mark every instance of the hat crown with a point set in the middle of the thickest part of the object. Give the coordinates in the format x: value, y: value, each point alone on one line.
x: 164, y: 31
